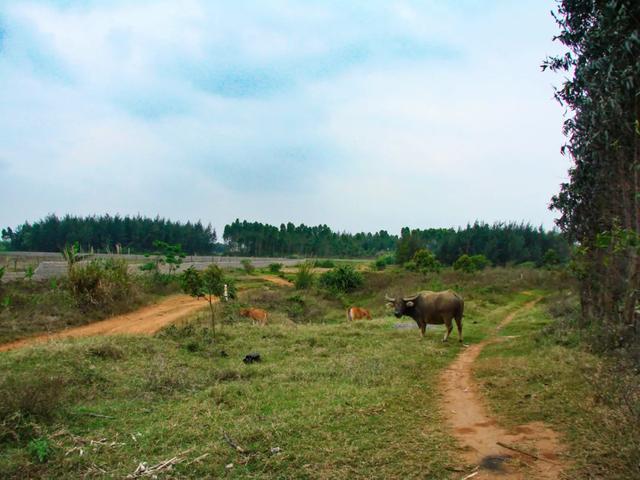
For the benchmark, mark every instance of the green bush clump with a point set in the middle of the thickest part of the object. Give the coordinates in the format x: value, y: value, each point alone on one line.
x: 275, y: 267
x: 343, y: 279
x: 383, y: 261
x: 470, y: 264
x: 247, y: 265
x: 425, y: 261
x: 100, y: 283
x: 304, y: 276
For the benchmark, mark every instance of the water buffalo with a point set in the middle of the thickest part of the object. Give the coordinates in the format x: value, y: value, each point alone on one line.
x: 357, y: 313
x: 433, y: 308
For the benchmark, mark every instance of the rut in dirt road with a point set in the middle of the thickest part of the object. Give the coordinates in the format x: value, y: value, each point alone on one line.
x: 147, y: 320
x: 479, y: 433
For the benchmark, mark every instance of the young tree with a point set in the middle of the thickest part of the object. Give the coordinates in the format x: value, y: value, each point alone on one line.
x: 209, y: 283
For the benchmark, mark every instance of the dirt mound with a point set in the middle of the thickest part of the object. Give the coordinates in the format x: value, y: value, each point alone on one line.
x: 146, y: 320
x: 525, y: 452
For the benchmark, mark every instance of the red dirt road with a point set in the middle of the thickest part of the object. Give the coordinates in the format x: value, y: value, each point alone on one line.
x: 146, y: 321
x: 478, y: 431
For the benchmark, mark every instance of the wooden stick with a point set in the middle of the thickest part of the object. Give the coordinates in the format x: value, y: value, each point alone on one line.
x: 504, y: 445
x: 232, y: 444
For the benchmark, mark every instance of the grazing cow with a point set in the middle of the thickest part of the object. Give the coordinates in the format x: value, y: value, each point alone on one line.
x: 433, y: 308
x: 256, y: 314
x: 357, y: 313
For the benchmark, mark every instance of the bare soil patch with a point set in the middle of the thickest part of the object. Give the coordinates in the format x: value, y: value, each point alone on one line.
x: 524, y: 452
x: 147, y: 320
x: 277, y: 280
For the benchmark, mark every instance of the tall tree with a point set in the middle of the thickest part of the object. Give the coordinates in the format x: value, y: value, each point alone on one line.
x: 599, y: 205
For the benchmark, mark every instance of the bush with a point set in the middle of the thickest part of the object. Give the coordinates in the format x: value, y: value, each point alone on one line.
x: 325, y: 263
x: 248, y: 266
x: 470, y: 264
x: 100, y: 283
x: 275, y: 267
x: 304, y: 277
x: 383, y: 261
x: 343, y: 279
x: 425, y: 261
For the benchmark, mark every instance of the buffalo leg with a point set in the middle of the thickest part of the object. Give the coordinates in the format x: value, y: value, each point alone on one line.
x: 449, y: 326
x: 459, y: 324
x: 423, y: 327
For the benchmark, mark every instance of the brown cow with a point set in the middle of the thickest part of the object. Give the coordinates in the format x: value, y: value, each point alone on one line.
x: 357, y: 313
x: 256, y: 314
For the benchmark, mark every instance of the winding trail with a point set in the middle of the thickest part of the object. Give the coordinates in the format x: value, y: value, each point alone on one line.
x: 479, y: 433
x: 147, y: 320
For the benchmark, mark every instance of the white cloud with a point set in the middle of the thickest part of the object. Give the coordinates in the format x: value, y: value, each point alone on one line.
x: 362, y: 117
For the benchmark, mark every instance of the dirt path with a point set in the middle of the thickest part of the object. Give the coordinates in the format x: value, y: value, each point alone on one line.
x: 478, y: 431
x: 146, y: 320
x: 277, y: 280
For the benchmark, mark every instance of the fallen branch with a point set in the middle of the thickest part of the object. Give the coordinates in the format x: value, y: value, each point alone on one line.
x: 509, y: 447
x: 233, y: 444
x: 471, y: 475
x: 144, y: 470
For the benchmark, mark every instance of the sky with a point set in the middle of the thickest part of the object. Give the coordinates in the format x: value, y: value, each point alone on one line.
x: 362, y: 115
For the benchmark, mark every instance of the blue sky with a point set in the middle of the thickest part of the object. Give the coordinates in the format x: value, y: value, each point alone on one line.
x: 360, y: 115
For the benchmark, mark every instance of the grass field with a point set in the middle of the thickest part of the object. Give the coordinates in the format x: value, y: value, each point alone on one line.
x: 329, y: 399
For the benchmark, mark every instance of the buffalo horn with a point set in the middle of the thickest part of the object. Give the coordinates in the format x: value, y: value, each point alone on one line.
x: 388, y: 298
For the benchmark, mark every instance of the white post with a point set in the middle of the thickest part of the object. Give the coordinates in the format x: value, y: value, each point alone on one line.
x: 226, y: 293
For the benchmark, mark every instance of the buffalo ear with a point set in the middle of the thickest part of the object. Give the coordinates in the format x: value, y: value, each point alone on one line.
x: 409, y: 303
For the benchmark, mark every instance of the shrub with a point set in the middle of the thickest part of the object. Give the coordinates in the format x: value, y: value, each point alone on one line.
x: 2, y: 270
x: 275, y: 267
x: 247, y: 265
x: 470, y: 264
x: 383, y: 261
x: 100, y: 283
x: 343, y: 279
x: 426, y: 261
x: 480, y: 261
x: 304, y: 277
x: 550, y: 258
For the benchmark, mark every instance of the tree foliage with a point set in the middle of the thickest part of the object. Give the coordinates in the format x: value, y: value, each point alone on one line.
x: 500, y: 243
x: 109, y: 233
x: 600, y: 200
x: 258, y: 239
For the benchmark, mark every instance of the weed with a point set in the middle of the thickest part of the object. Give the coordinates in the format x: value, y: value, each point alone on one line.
x: 39, y: 449
x: 304, y: 276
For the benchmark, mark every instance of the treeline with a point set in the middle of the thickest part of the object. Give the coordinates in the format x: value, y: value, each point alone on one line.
x: 105, y: 233
x: 501, y: 243
x: 258, y: 239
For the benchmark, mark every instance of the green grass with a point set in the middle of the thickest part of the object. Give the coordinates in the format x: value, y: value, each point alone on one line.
x: 329, y: 400
x: 543, y: 374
